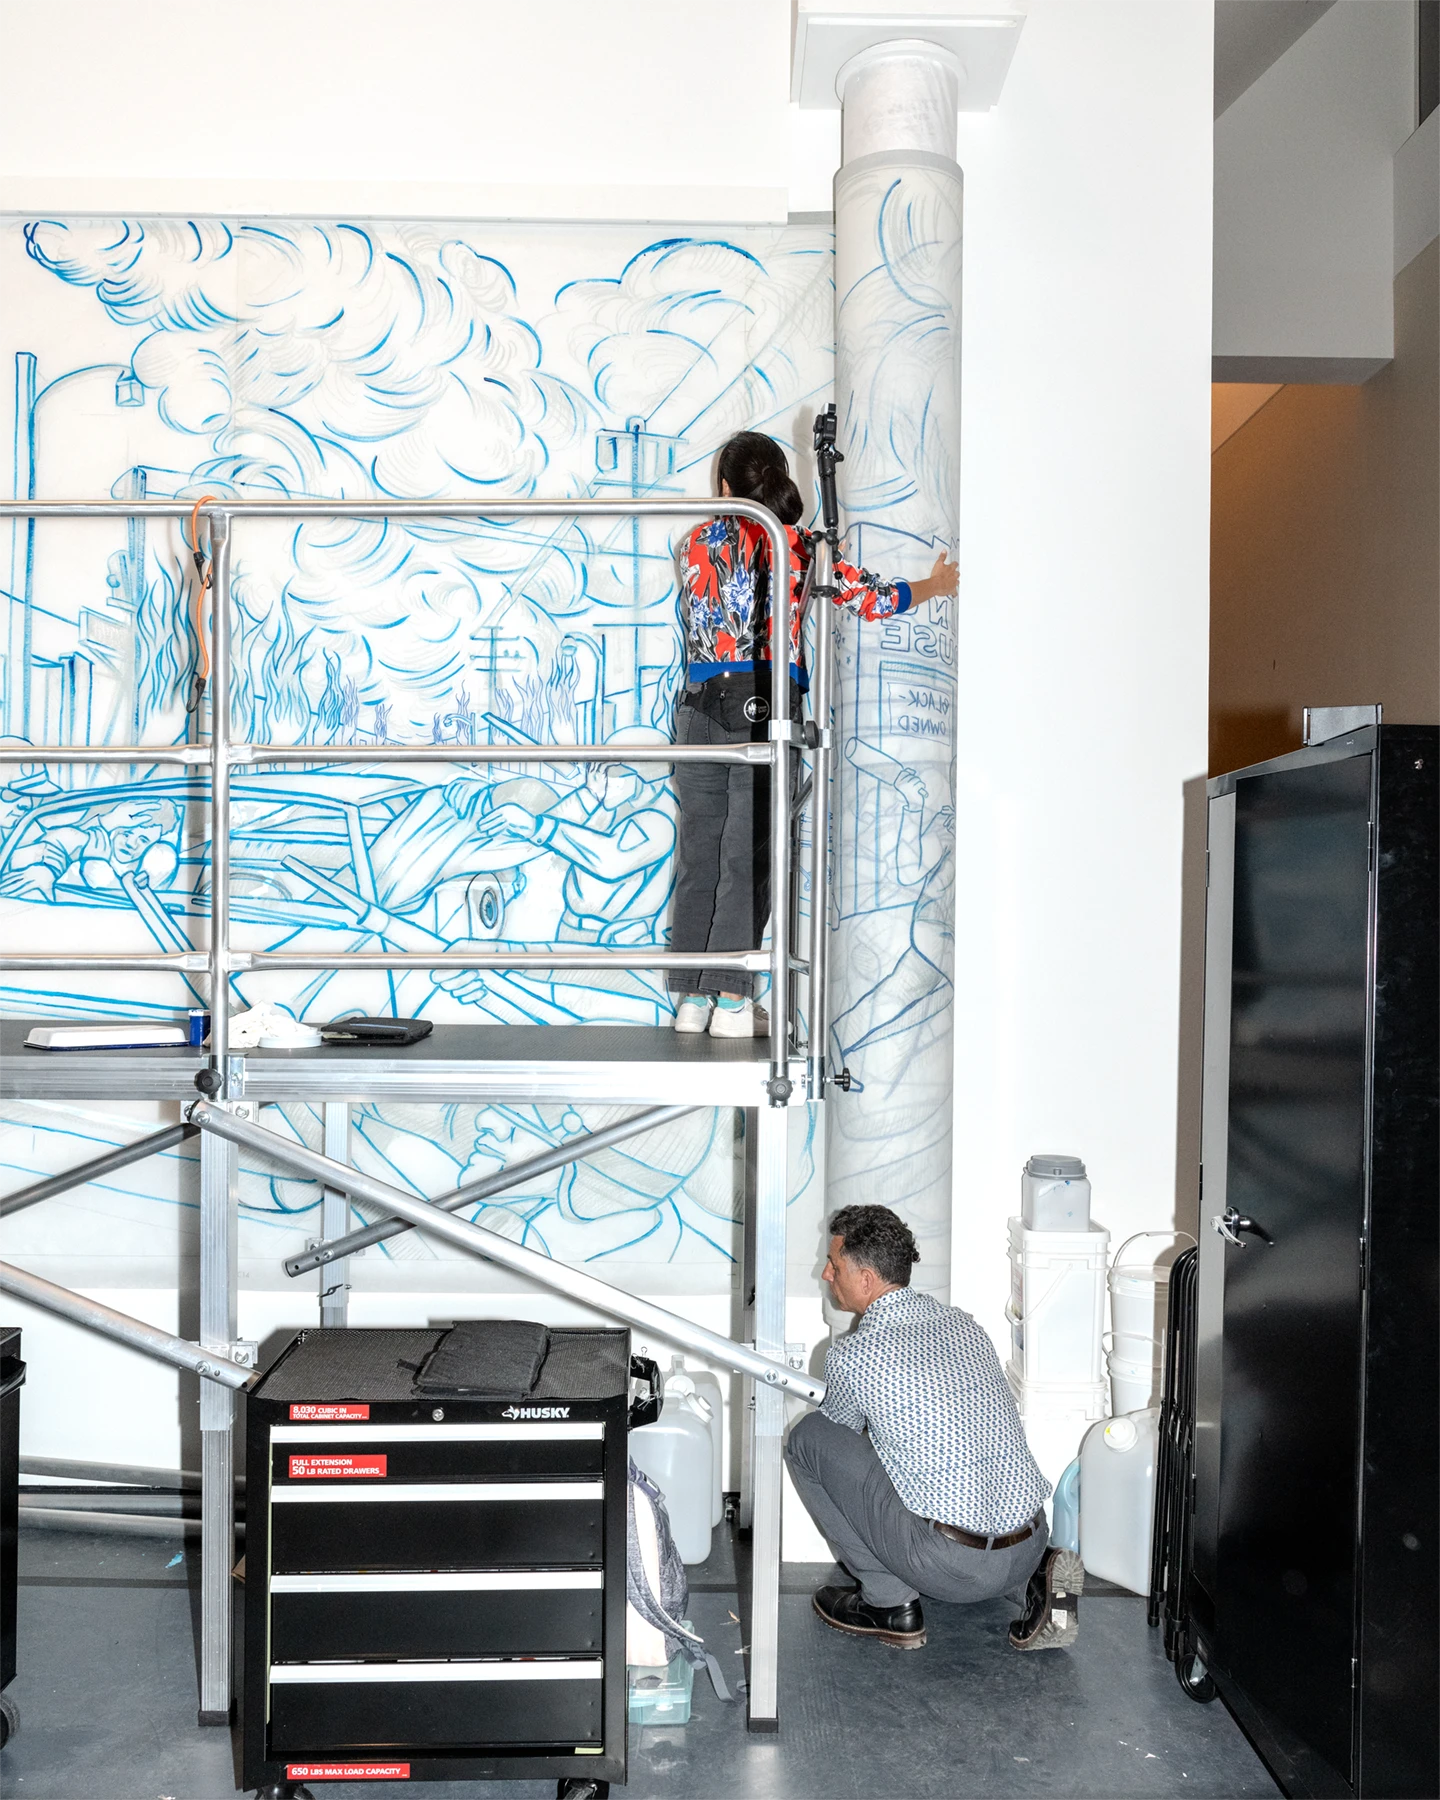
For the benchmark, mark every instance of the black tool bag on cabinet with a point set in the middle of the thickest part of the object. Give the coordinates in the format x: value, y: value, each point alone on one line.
x: 486, y: 1359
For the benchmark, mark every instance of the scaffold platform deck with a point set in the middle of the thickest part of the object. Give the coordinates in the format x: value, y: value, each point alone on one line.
x: 507, y: 1062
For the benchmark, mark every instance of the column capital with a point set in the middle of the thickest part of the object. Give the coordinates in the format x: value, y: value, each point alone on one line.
x: 830, y: 36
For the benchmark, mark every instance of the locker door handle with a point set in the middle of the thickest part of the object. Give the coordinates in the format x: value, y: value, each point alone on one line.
x: 1231, y: 1223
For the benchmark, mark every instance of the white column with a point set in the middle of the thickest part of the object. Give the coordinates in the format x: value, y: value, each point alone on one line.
x: 898, y: 231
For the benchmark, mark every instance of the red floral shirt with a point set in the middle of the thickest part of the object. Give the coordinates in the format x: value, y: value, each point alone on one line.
x: 725, y: 595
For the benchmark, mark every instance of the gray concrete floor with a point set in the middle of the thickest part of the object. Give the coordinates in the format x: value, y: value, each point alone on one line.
x: 107, y: 1698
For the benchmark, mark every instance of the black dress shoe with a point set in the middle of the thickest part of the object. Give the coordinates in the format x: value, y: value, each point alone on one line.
x: 1051, y: 1619
x: 902, y: 1627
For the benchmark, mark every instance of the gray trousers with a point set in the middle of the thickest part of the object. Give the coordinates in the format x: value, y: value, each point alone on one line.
x: 722, y: 855
x: 892, y: 1552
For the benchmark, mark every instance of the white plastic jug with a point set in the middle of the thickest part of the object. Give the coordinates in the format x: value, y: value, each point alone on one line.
x: 1117, y: 1498
x: 677, y: 1453
x: 1055, y: 1194
x: 706, y: 1387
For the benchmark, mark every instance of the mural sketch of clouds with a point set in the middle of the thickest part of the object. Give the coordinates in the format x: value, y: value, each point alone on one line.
x: 371, y: 361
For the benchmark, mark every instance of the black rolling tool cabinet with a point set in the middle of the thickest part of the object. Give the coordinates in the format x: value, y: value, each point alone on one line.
x: 1311, y: 1595
x: 435, y: 1588
x: 12, y: 1379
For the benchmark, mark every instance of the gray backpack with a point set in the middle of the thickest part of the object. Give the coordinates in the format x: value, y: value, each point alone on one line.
x: 666, y: 1609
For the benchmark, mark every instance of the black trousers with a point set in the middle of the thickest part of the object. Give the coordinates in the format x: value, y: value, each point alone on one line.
x: 722, y: 857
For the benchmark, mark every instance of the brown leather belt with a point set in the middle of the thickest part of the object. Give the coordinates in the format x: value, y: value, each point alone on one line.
x: 973, y: 1541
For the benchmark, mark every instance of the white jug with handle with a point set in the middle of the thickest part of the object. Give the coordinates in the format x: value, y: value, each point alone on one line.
x: 1117, y: 1498
x: 677, y: 1453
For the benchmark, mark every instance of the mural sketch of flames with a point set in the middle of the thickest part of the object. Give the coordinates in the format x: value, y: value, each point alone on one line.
x: 378, y: 362
x: 368, y: 361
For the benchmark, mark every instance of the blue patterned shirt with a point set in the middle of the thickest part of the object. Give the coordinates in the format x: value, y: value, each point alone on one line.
x: 924, y: 1380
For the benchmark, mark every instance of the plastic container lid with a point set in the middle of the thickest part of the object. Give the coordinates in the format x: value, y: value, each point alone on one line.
x: 1056, y: 1168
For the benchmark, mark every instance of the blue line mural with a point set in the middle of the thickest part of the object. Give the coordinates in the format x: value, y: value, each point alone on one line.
x: 174, y: 359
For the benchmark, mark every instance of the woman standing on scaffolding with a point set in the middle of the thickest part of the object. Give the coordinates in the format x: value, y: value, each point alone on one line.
x: 722, y: 882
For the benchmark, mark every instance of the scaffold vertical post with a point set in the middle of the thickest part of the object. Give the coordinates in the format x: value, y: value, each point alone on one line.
x: 219, y: 1177
x: 219, y: 791
x: 768, y: 1420
x: 745, y: 1516
x: 818, y: 947
x: 782, y: 764
x: 335, y: 1219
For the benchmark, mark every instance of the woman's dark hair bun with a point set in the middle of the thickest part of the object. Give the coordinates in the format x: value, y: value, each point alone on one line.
x: 755, y: 468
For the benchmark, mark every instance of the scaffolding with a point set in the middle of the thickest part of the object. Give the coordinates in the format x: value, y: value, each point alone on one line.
x: 629, y: 1065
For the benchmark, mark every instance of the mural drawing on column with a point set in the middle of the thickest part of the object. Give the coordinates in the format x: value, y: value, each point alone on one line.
x: 897, y: 384
x: 169, y: 359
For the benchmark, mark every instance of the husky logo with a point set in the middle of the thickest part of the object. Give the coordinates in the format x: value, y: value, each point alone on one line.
x: 536, y: 1412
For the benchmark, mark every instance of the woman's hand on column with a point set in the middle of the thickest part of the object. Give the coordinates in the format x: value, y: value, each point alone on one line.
x: 942, y: 581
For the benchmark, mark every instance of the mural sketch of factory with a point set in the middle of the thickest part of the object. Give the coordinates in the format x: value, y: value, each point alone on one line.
x: 168, y: 359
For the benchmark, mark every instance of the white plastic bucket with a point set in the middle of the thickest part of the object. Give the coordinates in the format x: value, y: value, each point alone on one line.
x: 1056, y: 1417
x: 1134, y: 1349
x: 1057, y: 1304
x: 1133, y: 1385
x: 1140, y: 1289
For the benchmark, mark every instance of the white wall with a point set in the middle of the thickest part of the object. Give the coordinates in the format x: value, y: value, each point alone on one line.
x: 1083, y: 616
x: 1304, y: 226
x: 1086, y: 432
x: 637, y: 109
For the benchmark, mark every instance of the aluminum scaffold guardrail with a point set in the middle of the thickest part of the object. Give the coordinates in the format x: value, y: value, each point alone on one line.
x: 234, y: 1084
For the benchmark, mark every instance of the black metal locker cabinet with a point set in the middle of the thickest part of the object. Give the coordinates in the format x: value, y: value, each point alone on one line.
x: 435, y: 1588
x: 12, y: 1379
x: 1313, y: 1589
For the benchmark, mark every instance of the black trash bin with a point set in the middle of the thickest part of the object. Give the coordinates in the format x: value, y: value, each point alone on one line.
x: 12, y: 1377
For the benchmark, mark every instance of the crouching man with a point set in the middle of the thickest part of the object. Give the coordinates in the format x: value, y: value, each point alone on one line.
x: 916, y: 1468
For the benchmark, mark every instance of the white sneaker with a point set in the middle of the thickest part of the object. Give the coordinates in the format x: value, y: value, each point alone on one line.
x: 743, y: 1021
x: 692, y: 1015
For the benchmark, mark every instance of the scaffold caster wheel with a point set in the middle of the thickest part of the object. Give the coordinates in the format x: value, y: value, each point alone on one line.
x: 1195, y: 1678
x: 284, y: 1790
x: 9, y: 1718
x: 582, y: 1787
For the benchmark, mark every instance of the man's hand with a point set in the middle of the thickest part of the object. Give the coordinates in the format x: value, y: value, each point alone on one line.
x: 942, y: 581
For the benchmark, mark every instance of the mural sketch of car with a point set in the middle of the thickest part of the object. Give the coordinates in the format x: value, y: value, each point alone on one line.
x: 341, y: 861
x: 309, y: 855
